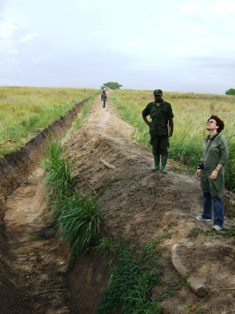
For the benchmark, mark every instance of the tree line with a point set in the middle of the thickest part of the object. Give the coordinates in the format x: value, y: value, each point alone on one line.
x: 116, y: 85
x: 230, y: 91
x: 111, y: 85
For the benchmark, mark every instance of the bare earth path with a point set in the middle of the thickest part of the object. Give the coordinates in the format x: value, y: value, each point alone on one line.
x: 136, y: 203
x: 35, y: 261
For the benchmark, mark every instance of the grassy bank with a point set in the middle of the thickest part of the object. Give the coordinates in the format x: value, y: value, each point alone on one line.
x: 134, y: 271
x: 191, y: 112
x: 25, y: 111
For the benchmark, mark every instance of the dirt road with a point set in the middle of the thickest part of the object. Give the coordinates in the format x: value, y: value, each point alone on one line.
x: 138, y: 204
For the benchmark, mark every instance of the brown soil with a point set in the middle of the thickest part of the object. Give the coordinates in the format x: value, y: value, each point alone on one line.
x: 136, y: 203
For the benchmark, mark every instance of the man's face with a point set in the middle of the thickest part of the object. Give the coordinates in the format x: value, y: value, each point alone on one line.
x: 158, y: 98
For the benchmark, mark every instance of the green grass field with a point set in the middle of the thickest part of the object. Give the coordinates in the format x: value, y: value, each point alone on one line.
x: 25, y: 111
x: 191, y: 112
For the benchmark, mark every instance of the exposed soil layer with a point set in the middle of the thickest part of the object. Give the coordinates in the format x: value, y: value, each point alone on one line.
x: 15, y: 167
x: 35, y: 261
x: 138, y: 204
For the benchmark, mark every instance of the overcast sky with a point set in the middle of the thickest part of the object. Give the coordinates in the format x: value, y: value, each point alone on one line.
x: 175, y: 45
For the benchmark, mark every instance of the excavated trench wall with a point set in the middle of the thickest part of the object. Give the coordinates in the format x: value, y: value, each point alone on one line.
x: 15, y: 167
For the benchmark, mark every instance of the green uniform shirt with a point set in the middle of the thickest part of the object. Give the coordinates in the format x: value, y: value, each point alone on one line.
x: 216, y: 152
x: 160, y: 116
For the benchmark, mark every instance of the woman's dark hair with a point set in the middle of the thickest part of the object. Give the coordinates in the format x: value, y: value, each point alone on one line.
x: 219, y: 123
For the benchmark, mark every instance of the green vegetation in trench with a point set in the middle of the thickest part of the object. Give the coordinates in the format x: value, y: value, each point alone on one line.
x: 58, y: 173
x: 134, y: 273
x: 78, y: 218
x: 191, y: 112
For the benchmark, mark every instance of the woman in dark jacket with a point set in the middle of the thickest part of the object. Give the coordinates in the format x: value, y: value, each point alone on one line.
x: 211, y: 173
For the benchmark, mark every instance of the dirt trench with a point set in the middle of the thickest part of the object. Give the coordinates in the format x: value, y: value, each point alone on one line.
x: 23, y: 203
x: 15, y: 167
x: 35, y: 260
x: 138, y: 204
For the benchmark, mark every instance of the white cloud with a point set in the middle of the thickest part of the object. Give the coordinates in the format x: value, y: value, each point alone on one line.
x: 191, y: 7
x: 27, y: 38
x: 225, y: 7
x: 7, y: 29
x: 8, y: 49
x: 67, y: 37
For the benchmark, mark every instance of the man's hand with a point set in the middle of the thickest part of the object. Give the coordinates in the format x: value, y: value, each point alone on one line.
x: 198, y: 173
x: 214, y: 174
x: 150, y: 124
x: 147, y: 121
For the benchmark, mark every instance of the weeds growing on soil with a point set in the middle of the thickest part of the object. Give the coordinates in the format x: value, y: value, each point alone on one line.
x: 195, y: 232
x: 132, y: 279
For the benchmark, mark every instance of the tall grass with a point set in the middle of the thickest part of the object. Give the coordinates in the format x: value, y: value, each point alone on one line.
x: 25, y: 111
x: 58, y: 172
x: 78, y: 218
x: 191, y: 112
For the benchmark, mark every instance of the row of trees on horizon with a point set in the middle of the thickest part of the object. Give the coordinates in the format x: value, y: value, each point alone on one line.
x: 116, y: 85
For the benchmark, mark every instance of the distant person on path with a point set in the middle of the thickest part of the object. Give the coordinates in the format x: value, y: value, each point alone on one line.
x: 211, y: 173
x: 160, y: 128
x: 104, y: 98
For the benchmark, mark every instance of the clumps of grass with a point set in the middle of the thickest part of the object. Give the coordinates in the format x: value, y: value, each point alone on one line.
x: 78, y: 218
x: 171, y: 291
x: 82, y: 118
x: 208, y: 233
x: 132, y: 278
x: 58, y: 173
x: 186, y: 152
x: 230, y: 169
x: 229, y: 232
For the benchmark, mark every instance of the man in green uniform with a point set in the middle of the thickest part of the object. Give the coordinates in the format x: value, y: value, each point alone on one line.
x: 160, y: 128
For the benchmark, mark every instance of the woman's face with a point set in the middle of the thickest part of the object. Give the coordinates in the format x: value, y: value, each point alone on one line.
x: 211, y: 125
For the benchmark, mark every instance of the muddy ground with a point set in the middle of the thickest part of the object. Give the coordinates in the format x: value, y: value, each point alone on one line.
x: 138, y: 204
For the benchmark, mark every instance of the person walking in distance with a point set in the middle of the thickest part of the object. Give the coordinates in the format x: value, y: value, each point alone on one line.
x: 104, y: 98
x: 160, y: 128
x: 211, y: 173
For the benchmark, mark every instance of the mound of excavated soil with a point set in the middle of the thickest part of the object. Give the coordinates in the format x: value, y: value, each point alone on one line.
x: 136, y: 203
